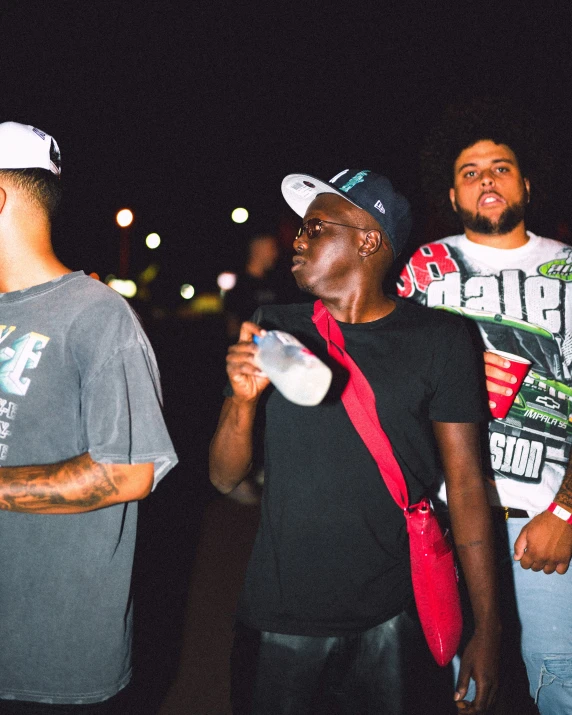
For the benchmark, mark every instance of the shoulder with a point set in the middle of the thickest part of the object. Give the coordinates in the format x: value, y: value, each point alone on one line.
x: 429, y: 319
x: 432, y: 331
x: 94, y: 296
x: 99, y: 314
x: 548, y: 245
x: 427, y: 249
x: 84, y: 288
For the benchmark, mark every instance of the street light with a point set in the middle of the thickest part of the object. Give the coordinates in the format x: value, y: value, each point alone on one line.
x: 226, y: 281
x: 124, y: 220
x: 153, y: 240
x: 239, y: 215
x: 187, y: 291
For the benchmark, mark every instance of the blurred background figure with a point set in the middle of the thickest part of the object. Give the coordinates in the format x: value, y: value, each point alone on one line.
x: 255, y: 286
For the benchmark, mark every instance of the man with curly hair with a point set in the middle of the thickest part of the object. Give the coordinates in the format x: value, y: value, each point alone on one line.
x: 516, y: 288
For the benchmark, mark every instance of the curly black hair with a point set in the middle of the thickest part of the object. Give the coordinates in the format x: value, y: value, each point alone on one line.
x: 461, y: 126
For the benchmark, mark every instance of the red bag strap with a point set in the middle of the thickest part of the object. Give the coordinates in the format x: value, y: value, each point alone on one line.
x: 359, y: 400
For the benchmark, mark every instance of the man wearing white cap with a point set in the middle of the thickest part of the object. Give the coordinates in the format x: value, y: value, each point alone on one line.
x: 82, y: 438
x: 326, y: 621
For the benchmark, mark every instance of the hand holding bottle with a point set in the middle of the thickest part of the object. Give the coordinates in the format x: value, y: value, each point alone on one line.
x: 295, y: 371
x: 246, y: 378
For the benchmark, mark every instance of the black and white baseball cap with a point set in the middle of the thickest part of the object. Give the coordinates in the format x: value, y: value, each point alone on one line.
x: 25, y: 147
x: 371, y: 192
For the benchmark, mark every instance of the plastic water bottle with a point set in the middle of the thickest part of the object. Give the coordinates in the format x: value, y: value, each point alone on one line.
x: 295, y: 371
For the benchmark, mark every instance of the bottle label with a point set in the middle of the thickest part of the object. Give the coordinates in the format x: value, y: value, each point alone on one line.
x: 287, y: 339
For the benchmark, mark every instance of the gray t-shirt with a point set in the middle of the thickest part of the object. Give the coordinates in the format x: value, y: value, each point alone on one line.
x: 77, y: 374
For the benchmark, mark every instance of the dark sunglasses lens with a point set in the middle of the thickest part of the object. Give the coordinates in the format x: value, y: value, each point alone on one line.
x: 313, y: 227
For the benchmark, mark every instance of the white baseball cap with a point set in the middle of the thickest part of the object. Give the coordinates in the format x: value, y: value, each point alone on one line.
x: 25, y: 147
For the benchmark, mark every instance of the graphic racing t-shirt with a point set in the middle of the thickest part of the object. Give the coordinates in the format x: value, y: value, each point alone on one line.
x: 521, y: 301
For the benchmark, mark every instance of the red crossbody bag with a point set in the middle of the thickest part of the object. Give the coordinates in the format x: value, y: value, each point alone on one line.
x: 433, y: 570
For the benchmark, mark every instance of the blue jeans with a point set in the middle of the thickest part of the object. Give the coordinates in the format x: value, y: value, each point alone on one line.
x: 542, y: 623
x: 544, y: 604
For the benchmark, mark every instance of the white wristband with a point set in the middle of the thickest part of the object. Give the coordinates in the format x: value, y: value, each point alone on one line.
x: 560, y: 512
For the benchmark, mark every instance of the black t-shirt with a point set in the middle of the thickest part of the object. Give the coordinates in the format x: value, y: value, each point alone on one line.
x: 331, y: 554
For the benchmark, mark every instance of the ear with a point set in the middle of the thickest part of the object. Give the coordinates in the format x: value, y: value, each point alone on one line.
x: 2, y: 199
x: 372, y: 243
x: 452, y: 199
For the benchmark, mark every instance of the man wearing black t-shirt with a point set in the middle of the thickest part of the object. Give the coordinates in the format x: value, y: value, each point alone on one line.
x: 326, y: 621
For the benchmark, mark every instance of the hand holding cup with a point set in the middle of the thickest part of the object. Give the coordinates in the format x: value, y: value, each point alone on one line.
x: 505, y: 374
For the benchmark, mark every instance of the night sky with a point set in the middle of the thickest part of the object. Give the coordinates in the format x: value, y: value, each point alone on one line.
x: 182, y: 111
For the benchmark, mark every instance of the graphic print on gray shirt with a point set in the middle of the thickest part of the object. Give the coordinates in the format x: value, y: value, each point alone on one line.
x: 77, y: 374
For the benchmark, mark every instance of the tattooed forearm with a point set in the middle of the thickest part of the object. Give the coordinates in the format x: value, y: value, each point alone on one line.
x: 564, y: 495
x: 78, y: 484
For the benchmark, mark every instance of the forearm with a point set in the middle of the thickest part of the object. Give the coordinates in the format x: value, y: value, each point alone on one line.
x: 230, y: 457
x: 470, y: 514
x: 73, y: 486
x: 472, y: 532
x: 564, y: 494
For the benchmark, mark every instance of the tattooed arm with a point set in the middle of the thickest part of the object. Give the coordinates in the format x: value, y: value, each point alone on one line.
x: 472, y: 531
x: 545, y: 543
x: 73, y: 486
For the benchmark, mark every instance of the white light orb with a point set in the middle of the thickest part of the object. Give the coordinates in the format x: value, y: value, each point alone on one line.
x: 239, y: 215
x: 187, y: 291
x: 126, y: 288
x: 153, y: 240
x: 124, y: 218
x: 226, y: 280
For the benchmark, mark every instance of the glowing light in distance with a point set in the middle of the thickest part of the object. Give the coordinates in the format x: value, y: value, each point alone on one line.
x: 124, y: 218
x: 187, y: 291
x: 239, y: 215
x: 226, y: 280
x: 128, y: 288
x: 153, y: 240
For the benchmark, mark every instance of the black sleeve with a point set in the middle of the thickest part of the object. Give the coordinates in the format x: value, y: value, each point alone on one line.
x: 460, y: 394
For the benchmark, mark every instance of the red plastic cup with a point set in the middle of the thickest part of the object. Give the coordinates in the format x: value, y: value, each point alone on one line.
x: 519, y: 367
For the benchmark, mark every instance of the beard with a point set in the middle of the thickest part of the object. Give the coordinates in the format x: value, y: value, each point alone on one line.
x: 506, y: 222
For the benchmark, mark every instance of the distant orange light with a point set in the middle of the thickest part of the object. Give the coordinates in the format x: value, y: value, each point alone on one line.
x: 124, y: 218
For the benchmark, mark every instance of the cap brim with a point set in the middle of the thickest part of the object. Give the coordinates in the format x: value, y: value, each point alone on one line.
x: 300, y: 190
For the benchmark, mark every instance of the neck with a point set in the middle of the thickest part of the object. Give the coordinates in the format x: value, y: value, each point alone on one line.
x: 359, y: 309
x: 514, y: 239
x: 24, y: 271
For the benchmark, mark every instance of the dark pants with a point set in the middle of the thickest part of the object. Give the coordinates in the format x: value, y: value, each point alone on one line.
x: 117, y: 705
x: 386, y: 670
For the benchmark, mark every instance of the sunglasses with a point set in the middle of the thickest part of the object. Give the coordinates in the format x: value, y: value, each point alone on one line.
x: 313, y: 227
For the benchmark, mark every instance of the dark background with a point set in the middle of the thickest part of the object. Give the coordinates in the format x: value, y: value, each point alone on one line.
x: 182, y: 111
